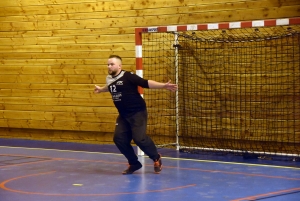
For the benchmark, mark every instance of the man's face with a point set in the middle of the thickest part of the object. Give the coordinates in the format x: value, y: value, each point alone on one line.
x: 114, y: 66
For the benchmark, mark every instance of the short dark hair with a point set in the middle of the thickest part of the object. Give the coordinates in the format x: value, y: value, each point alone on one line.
x: 115, y: 56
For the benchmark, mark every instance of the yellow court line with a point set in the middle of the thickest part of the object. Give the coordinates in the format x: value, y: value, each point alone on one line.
x: 182, y: 159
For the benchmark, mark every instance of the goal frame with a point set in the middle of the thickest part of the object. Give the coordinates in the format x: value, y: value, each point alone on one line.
x: 198, y: 27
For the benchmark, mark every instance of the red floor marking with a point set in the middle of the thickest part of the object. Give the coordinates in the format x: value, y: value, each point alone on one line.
x: 2, y: 185
x: 26, y: 163
x: 58, y: 159
x: 193, y: 169
x: 254, y: 197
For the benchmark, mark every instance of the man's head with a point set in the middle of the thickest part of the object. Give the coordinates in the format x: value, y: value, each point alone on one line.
x: 114, y: 65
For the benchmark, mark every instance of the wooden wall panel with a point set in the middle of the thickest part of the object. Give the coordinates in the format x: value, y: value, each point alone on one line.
x: 53, y: 52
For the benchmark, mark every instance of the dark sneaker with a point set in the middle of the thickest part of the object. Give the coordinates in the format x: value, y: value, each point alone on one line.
x: 158, y: 165
x: 132, y: 168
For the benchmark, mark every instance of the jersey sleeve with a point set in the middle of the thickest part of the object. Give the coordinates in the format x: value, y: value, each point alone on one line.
x: 138, y: 80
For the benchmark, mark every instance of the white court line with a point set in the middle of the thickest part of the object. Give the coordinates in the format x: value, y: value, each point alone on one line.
x: 171, y: 158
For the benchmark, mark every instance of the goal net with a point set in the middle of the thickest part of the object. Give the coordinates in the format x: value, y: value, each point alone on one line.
x: 239, y: 86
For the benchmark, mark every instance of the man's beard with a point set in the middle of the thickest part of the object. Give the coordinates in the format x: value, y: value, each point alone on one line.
x: 112, y: 73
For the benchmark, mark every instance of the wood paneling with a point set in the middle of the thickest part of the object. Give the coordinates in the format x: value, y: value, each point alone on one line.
x: 53, y: 52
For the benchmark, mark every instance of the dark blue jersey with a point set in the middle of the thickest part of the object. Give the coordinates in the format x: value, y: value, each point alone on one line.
x: 124, y: 92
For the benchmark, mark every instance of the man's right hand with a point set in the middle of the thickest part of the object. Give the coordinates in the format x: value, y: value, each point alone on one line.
x: 97, y: 89
x: 100, y: 89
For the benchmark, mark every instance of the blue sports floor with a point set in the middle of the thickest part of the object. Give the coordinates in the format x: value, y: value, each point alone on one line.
x: 51, y: 171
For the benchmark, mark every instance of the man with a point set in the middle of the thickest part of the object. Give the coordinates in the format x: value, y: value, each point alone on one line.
x: 132, y: 120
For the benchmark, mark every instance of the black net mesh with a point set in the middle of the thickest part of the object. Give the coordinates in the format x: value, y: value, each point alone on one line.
x: 239, y: 89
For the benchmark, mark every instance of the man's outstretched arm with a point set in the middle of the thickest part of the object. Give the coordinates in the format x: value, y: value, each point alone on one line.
x: 159, y: 85
x: 100, y: 89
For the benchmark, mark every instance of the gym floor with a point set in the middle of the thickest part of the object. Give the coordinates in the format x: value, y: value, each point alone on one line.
x: 55, y: 171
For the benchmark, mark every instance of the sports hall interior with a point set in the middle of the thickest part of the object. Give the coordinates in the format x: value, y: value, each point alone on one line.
x: 53, y: 53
